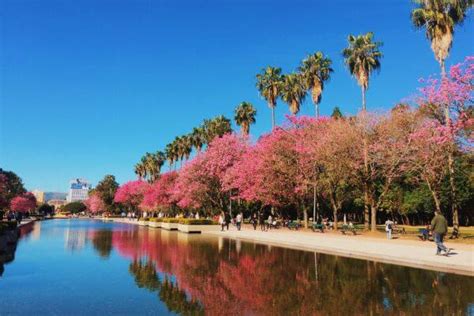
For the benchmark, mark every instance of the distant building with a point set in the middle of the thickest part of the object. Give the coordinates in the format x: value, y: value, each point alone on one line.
x: 57, y: 203
x: 55, y: 196
x: 39, y: 195
x: 78, y: 190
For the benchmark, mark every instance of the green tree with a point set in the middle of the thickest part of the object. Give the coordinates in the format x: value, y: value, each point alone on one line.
x: 336, y: 113
x: 362, y: 57
x: 11, y: 185
x: 316, y: 70
x: 106, y: 189
x: 45, y: 209
x: 269, y: 85
x: 293, y: 91
x: 244, y: 116
x: 74, y: 207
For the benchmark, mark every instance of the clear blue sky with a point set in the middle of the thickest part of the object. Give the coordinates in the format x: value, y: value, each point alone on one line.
x: 87, y: 87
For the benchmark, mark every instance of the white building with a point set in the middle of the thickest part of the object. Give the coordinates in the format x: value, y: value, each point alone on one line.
x: 78, y: 190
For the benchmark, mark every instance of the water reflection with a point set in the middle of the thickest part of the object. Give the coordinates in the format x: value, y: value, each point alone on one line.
x: 223, y: 276
x: 195, y: 274
x: 8, y: 244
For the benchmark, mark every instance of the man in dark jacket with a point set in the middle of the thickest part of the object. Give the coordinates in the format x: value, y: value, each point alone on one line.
x: 439, y: 226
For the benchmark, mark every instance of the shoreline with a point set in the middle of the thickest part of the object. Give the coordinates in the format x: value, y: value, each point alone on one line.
x: 415, y: 254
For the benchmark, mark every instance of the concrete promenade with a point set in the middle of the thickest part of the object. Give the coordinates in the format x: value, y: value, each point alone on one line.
x: 410, y: 253
x: 397, y: 251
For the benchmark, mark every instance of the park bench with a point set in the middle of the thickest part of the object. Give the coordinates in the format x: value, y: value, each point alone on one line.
x: 316, y: 227
x: 348, y: 229
x: 293, y: 225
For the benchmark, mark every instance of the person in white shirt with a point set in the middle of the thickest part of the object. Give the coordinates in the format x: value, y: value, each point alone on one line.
x: 389, y: 228
x: 238, y: 221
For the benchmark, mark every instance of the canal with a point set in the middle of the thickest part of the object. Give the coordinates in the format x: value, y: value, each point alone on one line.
x: 82, y: 267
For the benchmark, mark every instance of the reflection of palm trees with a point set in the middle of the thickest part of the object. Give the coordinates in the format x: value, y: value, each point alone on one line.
x: 169, y: 293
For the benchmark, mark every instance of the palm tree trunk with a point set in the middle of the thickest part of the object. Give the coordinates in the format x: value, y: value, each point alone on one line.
x: 316, y: 106
x: 363, y: 99
x: 273, y: 117
x: 454, y: 204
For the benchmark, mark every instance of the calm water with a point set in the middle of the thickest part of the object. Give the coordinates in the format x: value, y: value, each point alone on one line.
x: 80, y: 267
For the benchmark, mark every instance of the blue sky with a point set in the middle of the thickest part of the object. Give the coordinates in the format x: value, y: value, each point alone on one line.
x: 87, y: 87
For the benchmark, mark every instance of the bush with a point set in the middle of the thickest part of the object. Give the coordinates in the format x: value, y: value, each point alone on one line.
x: 4, y: 226
x: 192, y: 221
x: 143, y: 219
x: 156, y: 219
x: 74, y: 207
x: 171, y: 220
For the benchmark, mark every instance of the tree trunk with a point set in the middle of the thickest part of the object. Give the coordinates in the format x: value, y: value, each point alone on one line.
x: 273, y: 117
x: 373, y: 219
x: 305, y: 217
x: 316, y: 107
x: 454, y: 206
x: 435, y: 196
x: 363, y: 99
x: 366, y: 184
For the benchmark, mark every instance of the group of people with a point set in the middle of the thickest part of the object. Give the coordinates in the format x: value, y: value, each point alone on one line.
x: 11, y: 216
x: 438, y: 229
x: 225, y: 219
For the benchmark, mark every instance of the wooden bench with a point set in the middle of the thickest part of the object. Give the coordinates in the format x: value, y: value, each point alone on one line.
x: 293, y: 225
x: 316, y: 227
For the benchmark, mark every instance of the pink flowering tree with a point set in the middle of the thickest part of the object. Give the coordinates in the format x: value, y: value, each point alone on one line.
x: 430, y: 145
x: 94, y: 204
x: 450, y: 101
x: 268, y: 172
x: 130, y: 194
x: 159, y: 195
x: 201, y: 182
x: 23, y: 203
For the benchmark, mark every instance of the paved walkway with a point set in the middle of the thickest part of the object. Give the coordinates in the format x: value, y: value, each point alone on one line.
x: 402, y: 252
x: 410, y: 253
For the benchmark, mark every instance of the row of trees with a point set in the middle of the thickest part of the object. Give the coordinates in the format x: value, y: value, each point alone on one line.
x: 323, y: 163
x: 13, y: 195
x: 445, y: 106
x: 181, y: 147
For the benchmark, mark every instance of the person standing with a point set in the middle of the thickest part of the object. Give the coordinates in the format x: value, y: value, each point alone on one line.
x: 389, y: 228
x: 222, y: 221
x: 227, y: 220
x: 238, y: 221
x: 254, y: 221
x: 439, y: 227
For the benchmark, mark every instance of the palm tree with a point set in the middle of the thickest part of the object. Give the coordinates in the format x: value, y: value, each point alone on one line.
x: 170, y: 152
x: 244, y: 116
x: 336, y: 113
x: 362, y: 57
x: 269, y: 85
x: 197, y: 138
x: 140, y: 170
x: 217, y: 127
x: 316, y: 69
x: 293, y: 91
x: 439, y: 17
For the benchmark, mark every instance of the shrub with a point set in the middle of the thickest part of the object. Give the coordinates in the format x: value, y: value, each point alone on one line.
x: 156, y: 219
x: 171, y: 220
x: 144, y: 219
x: 192, y: 221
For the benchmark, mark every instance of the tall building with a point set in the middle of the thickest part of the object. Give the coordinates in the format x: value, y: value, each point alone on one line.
x: 39, y: 195
x: 78, y: 190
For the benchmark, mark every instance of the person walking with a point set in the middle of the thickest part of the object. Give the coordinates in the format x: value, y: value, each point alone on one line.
x: 238, y: 221
x: 270, y: 221
x: 227, y: 219
x: 254, y: 221
x: 261, y: 221
x: 439, y: 227
x: 222, y: 221
x: 389, y: 228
